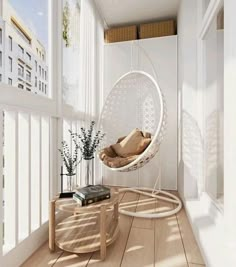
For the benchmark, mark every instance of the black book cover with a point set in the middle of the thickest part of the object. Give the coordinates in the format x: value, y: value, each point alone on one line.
x: 92, y: 191
x: 85, y: 202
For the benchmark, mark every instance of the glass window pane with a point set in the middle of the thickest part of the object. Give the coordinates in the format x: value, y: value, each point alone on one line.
x: 214, y: 109
x: 71, y: 34
x: 24, y: 41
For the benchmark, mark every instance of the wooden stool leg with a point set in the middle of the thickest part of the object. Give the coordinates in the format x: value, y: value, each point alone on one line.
x: 103, y: 233
x: 52, y: 225
x: 116, y: 210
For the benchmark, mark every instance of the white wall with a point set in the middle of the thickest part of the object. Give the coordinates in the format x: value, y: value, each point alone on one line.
x: 125, y: 56
x: 230, y: 127
x: 201, y: 119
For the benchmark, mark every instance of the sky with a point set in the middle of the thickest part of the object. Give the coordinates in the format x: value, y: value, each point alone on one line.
x: 35, y: 15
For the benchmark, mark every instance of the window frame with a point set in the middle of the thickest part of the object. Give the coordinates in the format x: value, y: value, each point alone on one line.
x: 10, y: 42
x: 0, y: 58
x: 9, y: 81
x: 10, y: 62
x: 207, y: 15
x: 0, y: 35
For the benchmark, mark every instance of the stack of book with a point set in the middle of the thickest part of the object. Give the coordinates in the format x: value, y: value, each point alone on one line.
x: 91, y: 194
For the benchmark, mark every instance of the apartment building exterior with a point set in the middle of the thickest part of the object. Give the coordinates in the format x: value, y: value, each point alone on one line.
x: 23, y: 59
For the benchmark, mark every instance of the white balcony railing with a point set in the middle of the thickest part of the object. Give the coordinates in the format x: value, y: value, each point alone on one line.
x: 26, y: 172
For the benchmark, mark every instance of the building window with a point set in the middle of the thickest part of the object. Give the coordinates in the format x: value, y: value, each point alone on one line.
x: 10, y: 42
x: 36, y: 82
x: 28, y: 76
x: 20, y: 86
x: 28, y: 89
x: 37, y: 50
x: 42, y: 73
x: 40, y: 54
x: 36, y: 65
x: 0, y: 58
x: 0, y: 36
x: 40, y: 70
x: 45, y: 89
x: 40, y: 85
x: 45, y: 75
x: 28, y: 56
x: 20, y: 70
x: 20, y: 50
x: 9, y: 81
x: 43, y: 57
x: 10, y: 64
x: 0, y: 77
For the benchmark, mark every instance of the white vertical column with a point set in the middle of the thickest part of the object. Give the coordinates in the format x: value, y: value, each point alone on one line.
x: 35, y: 172
x: 67, y: 138
x: 1, y: 182
x: 23, y: 170
x: 59, y: 127
x: 55, y: 84
x: 16, y: 139
x: 45, y: 171
x: 30, y: 174
x: 230, y: 123
x: 40, y: 170
x: 10, y: 182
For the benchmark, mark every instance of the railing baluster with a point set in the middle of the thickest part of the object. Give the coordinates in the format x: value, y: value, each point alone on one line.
x: 45, y: 167
x: 1, y: 182
x: 40, y: 170
x: 16, y: 178
x: 23, y: 174
x: 29, y: 166
x: 35, y: 172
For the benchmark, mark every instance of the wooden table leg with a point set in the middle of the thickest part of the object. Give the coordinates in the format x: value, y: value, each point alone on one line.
x: 52, y: 225
x: 103, y: 233
x: 116, y: 210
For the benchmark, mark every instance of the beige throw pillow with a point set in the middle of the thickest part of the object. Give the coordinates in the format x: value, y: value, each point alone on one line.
x: 133, y: 144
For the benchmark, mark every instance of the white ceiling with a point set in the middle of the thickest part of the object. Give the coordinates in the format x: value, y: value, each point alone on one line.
x: 121, y: 12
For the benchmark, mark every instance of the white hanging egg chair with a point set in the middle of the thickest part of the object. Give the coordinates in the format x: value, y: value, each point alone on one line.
x: 136, y: 101
x: 135, y: 95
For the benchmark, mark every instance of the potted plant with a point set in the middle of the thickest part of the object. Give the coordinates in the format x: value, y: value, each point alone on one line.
x: 70, y: 160
x: 87, y: 142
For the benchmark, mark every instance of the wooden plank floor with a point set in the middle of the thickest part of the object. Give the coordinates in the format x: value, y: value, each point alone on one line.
x: 167, y: 242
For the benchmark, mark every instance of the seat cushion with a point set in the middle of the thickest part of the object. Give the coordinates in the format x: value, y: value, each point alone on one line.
x: 133, y: 144
x: 118, y: 162
x: 107, y: 151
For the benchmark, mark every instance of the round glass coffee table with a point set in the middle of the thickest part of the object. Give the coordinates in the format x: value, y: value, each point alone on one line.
x: 86, y: 229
